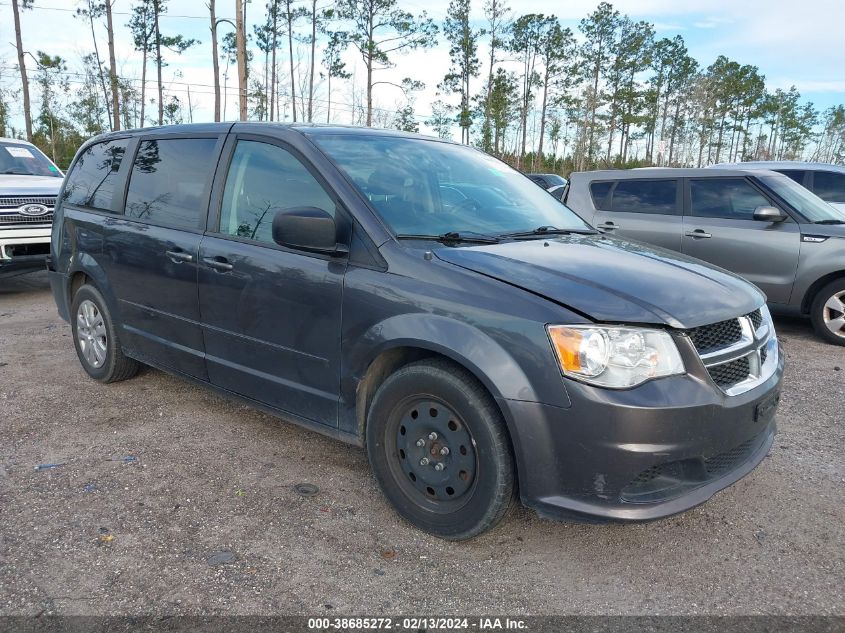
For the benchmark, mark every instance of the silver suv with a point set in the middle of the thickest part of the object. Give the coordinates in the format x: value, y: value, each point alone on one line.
x: 756, y: 223
x: 29, y: 184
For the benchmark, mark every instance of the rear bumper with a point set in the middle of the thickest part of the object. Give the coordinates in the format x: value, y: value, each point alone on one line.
x: 639, y: 454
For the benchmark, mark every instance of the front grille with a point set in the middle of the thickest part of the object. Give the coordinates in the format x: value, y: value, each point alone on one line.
x: 730, y: 373
x: 725, y: 462
x: 667, y: 480
x: 17, y: 218
x: 13, y: 202
x: 736, y: 352
x: 709, y: 337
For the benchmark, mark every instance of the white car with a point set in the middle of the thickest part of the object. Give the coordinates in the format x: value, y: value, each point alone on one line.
x: 29, y: 185
x: 825, y: 180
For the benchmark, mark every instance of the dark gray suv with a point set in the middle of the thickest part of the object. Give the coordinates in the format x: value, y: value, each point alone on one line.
x: 424, y: 300
x: 756, y: 223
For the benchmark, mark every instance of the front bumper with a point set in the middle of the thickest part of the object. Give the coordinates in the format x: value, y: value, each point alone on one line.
x: 23, y: 249
x: 643, y: 453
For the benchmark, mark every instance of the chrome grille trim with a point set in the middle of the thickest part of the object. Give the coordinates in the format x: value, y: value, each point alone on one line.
x: 757, y: 345
x: 13, y: 202
x: 10, y: 220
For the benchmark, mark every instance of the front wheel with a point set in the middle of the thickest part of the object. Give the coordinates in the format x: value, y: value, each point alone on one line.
x: 439, y: 450
x: 828, y: 312
x: 95, y: 338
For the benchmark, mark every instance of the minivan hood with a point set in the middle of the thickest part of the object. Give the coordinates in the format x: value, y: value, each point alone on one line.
x: 18, y: 185
x: 613, y: 280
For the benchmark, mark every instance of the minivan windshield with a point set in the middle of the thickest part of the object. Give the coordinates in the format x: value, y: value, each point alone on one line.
x: 426, y: 188
x: 813, y: 208
x: 25, y: 160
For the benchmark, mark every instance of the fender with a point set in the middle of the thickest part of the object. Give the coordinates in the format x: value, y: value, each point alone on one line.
x: 457, y: 340
x: 81, y: 262
x: 468, y: 346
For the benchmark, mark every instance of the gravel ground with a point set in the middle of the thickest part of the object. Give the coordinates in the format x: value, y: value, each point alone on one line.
x: 173, y: 500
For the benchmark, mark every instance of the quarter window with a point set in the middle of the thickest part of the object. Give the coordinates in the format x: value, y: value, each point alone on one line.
x: 262, y: 180
x: 729, y: 198
x: 829, y: 186
x: 93, y: 177
x: 645, y: 196
x: 169, y: 180
x: 599, y: 191
x: 795, y: 174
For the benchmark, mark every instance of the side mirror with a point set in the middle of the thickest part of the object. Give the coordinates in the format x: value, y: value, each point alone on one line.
x: 306, y: 229
x: 769, y: 214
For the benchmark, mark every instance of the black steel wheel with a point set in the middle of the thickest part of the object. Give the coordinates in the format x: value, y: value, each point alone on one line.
x: 439, y: 450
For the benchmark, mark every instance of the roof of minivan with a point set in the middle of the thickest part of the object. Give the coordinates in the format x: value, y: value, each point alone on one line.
x: 781, y: 164
x: 313, y: 129
x: 665, y: 172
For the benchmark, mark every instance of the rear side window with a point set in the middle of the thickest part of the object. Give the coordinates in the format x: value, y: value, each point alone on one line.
x: 645, y: 196
x: 829, y: 186
x: 795, y: 174
x: 262, y: 180
x: 599, y: 191
x: 729, y: 198
x: 92, y: 180
x: 169, y: 180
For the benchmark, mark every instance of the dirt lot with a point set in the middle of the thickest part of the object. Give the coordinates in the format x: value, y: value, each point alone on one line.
x: 173, y: 500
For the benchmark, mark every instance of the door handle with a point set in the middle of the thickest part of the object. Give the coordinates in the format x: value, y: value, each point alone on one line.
x: 697, y: 233
x: 608, y: 226
x: 218, y: 263
x: 179, y: 256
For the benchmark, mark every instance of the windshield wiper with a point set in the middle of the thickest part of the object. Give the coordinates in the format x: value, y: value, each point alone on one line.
x: 831, y: 221
x: 549, y: 230
x: 17, y: 172
x: 452, y: 237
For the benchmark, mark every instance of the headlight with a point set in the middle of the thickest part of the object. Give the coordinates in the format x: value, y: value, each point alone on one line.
x: 615, y: 357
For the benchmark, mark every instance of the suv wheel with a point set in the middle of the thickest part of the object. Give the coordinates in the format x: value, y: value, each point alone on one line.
x: 95, y: 338
x: 828, y: 312
x: 439, y: 450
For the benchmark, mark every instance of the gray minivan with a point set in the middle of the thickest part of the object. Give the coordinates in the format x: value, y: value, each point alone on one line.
x: 756, y: 223
x: 422, y: 299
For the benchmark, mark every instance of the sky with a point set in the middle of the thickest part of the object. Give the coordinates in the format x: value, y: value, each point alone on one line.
x: 792, y: 44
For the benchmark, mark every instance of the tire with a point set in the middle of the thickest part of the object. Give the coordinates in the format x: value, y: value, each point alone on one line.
x: 417, y: 412
x: 95, y: 338
x: 828, y: 312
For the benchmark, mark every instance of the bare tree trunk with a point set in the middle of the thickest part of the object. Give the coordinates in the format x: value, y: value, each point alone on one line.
x: 313, y: 51
x: 240, y: 40
x: 543, y: 117
x: 289, y: 17
x: 143, y: 83
x: 275, y: 9
x: 100, y: 70
x: 369, y: 61
x: 27, y: 111
x: 329, y: 106
x: 369, y: 93
x: 215, y: 62
x: 115, y: 93
x: 158, y: 68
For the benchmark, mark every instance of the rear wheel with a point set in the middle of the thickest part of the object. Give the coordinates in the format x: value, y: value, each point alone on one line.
x: 96, y: 340
x: 828, y: 312
x: 439, y: 450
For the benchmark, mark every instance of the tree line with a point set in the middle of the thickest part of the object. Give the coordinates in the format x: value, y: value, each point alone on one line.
x: 611, y: 93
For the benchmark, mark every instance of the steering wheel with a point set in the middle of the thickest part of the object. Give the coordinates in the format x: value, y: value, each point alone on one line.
x: 468, y: 204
